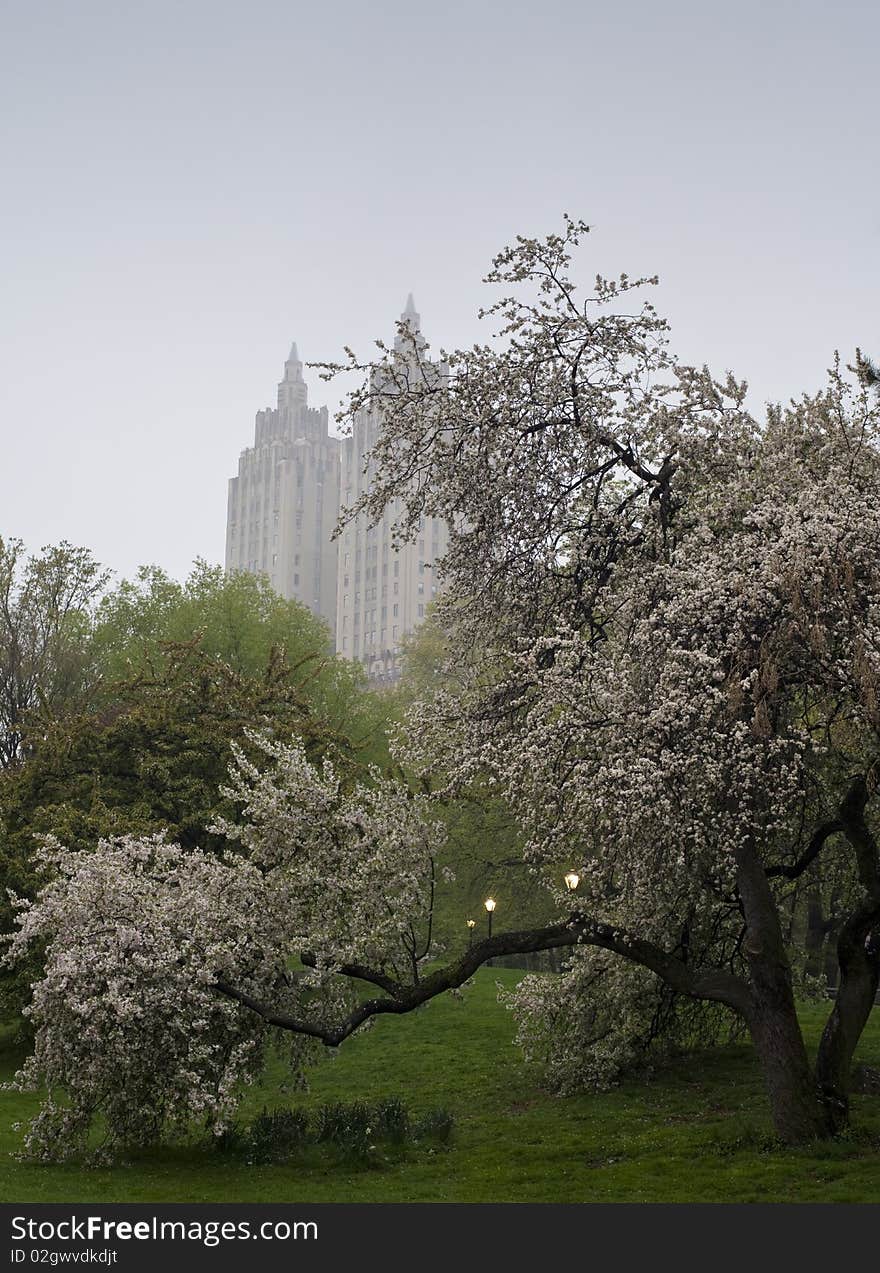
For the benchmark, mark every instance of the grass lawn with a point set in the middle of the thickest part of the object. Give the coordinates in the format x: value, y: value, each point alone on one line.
x: 698, y: 1131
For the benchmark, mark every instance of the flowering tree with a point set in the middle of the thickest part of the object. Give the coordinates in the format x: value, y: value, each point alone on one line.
x: 668, y: 616
x: 166, y: 968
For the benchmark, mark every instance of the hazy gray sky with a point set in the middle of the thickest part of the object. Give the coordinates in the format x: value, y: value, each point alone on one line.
x: 189, y: 186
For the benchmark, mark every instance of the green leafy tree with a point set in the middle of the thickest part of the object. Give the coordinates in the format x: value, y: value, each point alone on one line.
x: 239, y: 619
x: 46, y: 659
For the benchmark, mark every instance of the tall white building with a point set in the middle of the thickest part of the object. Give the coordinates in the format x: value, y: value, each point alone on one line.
x: 284, y: 502
x: 382, y: 591
x: 283, y: 507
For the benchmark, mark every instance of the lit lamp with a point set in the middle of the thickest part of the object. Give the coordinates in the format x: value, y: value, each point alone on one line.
x: 490, y: 906
x: 572, y: 880
x: 470, y: 923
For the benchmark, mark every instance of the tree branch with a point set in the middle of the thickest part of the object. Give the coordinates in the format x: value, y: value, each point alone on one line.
x: 714, y: 984
x: 810, y: 853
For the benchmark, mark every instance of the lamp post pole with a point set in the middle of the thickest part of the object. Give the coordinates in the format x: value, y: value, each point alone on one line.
x: 490, y: 908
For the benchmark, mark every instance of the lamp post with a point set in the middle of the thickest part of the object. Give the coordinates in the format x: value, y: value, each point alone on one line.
x: 470, y: 924
x: 490, y: 907
x: 572, y: 880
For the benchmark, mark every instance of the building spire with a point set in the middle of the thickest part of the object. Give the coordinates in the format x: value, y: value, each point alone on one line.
x: 292, y: 390
x: 412, y: 320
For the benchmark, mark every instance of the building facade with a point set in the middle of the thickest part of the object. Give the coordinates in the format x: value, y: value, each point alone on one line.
x: 284, y: 501
x: 284, y: 504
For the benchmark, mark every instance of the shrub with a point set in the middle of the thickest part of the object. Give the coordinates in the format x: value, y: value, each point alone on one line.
x: 435, y: 1125
x: 351, y: 1127
x: 392, y: 1121
x: 354, y: 1129
x: 273, y: 1136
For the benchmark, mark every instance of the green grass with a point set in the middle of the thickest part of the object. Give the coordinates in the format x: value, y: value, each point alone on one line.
x: 698, y: 1131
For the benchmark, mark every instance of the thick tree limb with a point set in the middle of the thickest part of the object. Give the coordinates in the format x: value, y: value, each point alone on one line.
x: 718, y: 985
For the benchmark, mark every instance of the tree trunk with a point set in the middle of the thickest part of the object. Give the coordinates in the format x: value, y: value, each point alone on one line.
x: 859, y: 968
x: 799, y: 1113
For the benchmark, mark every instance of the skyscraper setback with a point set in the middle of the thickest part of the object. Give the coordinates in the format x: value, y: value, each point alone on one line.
x: 284, y: 504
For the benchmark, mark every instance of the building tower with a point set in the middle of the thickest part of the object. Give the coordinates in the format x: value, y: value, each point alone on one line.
x: 284, y: 502
x: 383, y: 590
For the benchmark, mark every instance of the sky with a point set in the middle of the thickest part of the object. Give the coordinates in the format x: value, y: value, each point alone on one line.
x: 190, y: 186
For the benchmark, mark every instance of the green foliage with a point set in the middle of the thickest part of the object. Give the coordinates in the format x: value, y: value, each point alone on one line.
x: 274, y: 1136
x: 391, y: 1120
x: 46, y: 661
x: 426, y: 653
x: 239, y: 620
x: 353, y: 1129
x: 436, y: 1125
x: 348, y: 1125
x: 484, y: 847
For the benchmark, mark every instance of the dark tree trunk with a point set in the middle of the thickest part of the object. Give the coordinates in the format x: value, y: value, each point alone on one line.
x: 796, y: 1105
x: 858, y: 956
x: 798, y: 1111
x: 859, y: 964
